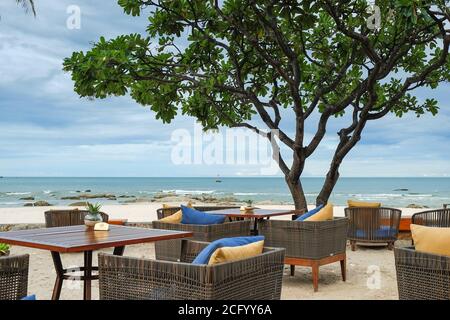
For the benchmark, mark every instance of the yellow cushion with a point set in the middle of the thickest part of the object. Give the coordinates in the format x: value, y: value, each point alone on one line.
x: 177, y: 216
x: 362, y: 204
x: 432, y: 240
x: 227, y: 254
x: 173, y: 218
x: 326, y: 213
x: 168, y: 206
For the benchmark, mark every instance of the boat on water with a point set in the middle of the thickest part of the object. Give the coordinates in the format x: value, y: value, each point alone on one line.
x: 218, y: 179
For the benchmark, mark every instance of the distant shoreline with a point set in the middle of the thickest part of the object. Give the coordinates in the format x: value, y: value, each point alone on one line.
x: 395, y: 192
x: 134, y: 213
x: 215, y: 177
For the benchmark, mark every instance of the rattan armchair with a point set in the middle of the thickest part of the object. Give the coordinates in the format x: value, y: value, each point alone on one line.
x: 65, y: 218
x: 14, y: 277
x: 373, y: 225
x: 309, y: 243
x: 432, y: 218
x: 422, y: 276
x: 256, y: 278
x: 171, y: 249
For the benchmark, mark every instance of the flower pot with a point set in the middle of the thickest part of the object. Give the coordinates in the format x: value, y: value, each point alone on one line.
x: 249, y: 209
x: 91, y: 219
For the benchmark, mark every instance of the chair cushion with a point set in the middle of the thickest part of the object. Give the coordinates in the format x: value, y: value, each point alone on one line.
x: 309, y: 213
x: 434, y: 240
x: 362, y: 204
x: 176, y: 217
x: 30, y: 297
x: 382, y: 232
x: 168, y: 206
x: 192, y: 216
x: 228, y: 254
x: 173, y: 218
x: 204, y: 256
x: 326, y: 213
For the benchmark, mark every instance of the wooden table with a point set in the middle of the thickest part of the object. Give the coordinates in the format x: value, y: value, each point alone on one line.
x: 256, y: 214
x: 80, y: 239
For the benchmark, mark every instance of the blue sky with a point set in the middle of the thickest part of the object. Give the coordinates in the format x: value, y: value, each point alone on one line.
x: 47, y: 130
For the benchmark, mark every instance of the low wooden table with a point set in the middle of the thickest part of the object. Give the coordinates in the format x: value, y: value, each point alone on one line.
x: 257, y: 214
x: 80, y: 239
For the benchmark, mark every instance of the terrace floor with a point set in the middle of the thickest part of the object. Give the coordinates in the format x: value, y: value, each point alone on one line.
x: 370, y: 275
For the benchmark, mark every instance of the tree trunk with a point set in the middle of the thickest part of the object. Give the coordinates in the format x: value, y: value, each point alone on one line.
x: 297, y: 193
x: 328, y: 186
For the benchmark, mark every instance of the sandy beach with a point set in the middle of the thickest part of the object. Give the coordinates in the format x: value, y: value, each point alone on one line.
x: 363, y: 264
x: 142, y: 212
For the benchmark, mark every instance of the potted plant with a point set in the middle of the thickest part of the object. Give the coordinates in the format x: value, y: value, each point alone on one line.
x: 4, y: 249
x: 94, y: 215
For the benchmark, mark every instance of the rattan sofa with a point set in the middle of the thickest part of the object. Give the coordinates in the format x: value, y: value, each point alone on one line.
x: 65, y: 218
x: 373, y: 225
x: 432, y: 218
x: 14, y: 277
x: 256, y: 278
x: 309, y: 243
x: 422, y: 276
x: 171, y: 249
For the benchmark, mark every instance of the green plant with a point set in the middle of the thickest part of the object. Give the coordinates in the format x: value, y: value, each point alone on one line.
x: 249, y: 203
x: 4, y: 248
x: 93, y: 208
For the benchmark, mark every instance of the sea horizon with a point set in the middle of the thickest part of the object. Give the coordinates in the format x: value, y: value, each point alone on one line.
x: 390, y: 191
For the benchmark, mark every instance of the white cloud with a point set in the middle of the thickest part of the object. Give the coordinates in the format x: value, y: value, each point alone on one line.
x: 46, y: 129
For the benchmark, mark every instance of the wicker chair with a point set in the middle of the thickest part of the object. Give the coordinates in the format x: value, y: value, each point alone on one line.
x: 432, y: 218
x: 14, y: 277
x: 171, y: 249
x: 309, y: 243
x: 373, y: 225
x: 422, y: 276
x: 65, y: 218
x: 256, y: 278
x: 165, y: 212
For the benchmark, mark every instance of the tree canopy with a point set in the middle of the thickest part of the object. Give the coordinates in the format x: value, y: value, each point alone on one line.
x: 226, y: 62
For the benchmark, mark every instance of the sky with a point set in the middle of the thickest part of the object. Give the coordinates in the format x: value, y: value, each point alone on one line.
x: 47, y: 130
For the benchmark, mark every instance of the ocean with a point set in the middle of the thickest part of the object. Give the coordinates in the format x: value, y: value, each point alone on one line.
x: 396, y: 192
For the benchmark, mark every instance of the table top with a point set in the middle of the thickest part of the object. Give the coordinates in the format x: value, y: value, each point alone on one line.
x: 79, y: 238
x: 257, y: 213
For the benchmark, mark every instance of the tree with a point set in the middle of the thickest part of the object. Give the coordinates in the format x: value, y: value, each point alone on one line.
x: 244, y: 59
x: 27, y: 5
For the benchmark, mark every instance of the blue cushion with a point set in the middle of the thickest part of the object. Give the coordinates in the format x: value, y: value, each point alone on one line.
x: 309, y: 213
x: 204, y: 255
x: 192, y: 216
x: 31, y: 297
x: 382, y: 232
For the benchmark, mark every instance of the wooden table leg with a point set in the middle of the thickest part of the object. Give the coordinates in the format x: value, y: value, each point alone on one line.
x: 59, y: 275
x: 254, y: 231
x: 118, y: 251
x: 87, y: 275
